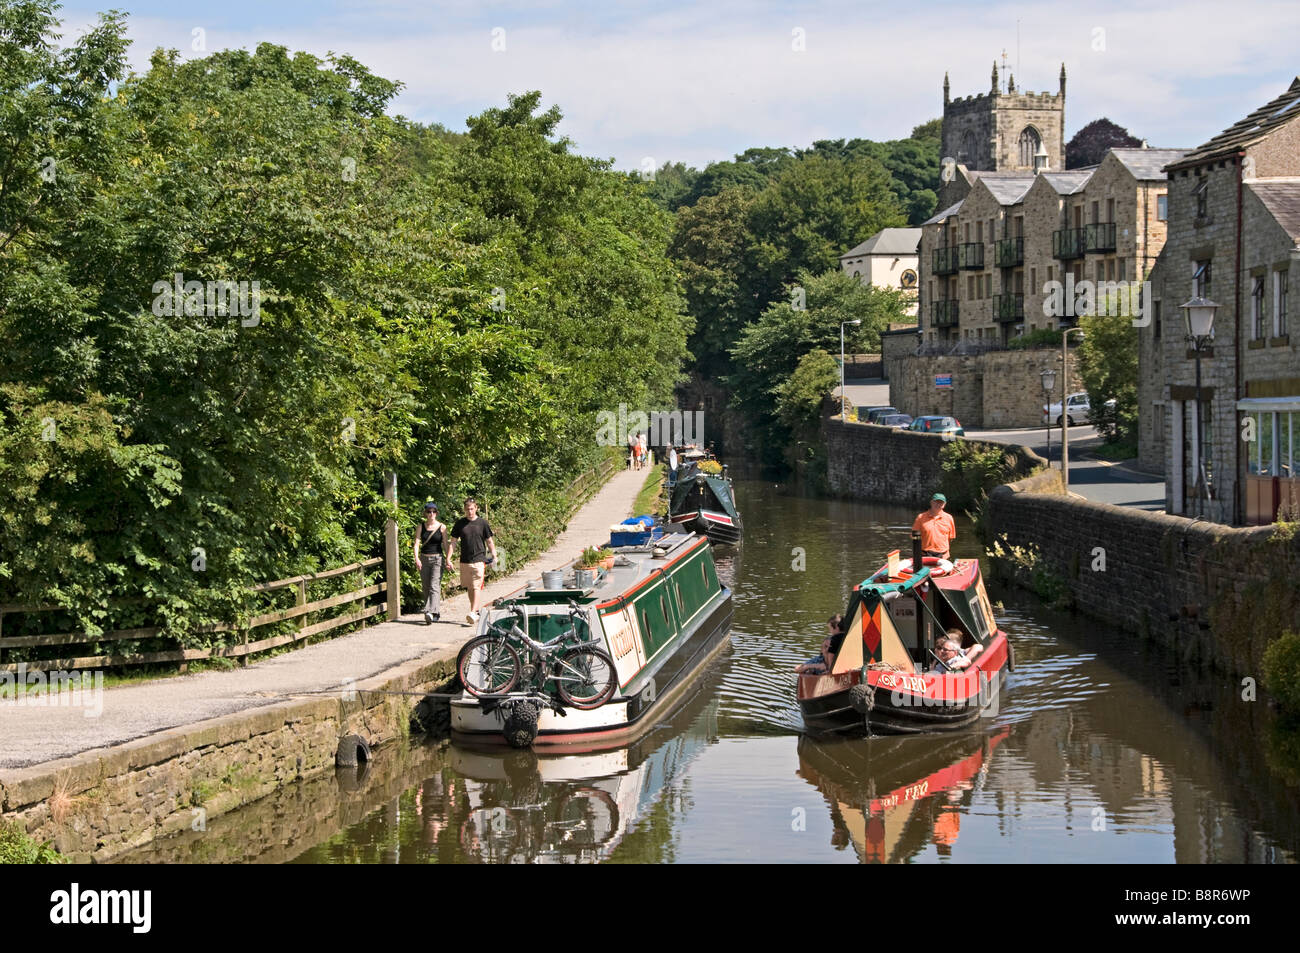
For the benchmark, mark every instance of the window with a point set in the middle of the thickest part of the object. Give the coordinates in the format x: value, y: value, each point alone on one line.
x: 1202, y: 195
x: 1096, y: 206
x: 1257, y: 308
x: 663, y: 607
x: 967, y: 231
x: 1018, y: 227
x: 1110, y: 269
x: 1162, y: 208
x: 1155, y: 320
x: 1110, y: 210
x: 1122, y: 269
x: 1033, y: 278
x: 979, y: 231
x: 1279, y: 298
x: 1029, y: 142
x: 1201, y: 280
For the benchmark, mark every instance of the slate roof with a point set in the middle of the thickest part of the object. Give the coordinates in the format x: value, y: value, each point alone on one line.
x: 946, y: 213
x: 1256, y: 126
x: 888, y: 241
x: 1282, y: 199
x: 1068, y: 183
x: 1148, y: 164
x: 1008, y: 189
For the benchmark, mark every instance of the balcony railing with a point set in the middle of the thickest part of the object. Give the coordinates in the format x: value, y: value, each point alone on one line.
x: 1100, y: 237
x: 1008, y: 308
x: 1068, y: 243
x: 945, y: 260
x: 943, y: 313
x: 970, y: 255
x: 1009, y: 252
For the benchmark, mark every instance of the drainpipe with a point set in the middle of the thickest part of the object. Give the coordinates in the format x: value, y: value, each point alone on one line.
x: 1236, y: 357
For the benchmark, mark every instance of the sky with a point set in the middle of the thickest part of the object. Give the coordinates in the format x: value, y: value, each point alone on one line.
x: 643, y: 83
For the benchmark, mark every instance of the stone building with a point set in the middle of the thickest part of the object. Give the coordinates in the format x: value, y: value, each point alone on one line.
x: 888, y: 259
x: 1234, y: 238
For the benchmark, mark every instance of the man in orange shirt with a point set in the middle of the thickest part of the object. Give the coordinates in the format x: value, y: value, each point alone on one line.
x: 936, y: 527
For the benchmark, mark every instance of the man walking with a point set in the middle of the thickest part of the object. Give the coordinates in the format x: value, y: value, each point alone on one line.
x: 936, y: 527
x: 474, y: 536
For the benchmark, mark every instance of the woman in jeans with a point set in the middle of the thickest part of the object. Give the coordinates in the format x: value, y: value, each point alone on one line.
x: 430, y: 546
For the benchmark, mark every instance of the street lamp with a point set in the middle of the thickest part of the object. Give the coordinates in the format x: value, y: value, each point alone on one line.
x: 1048, y: 376
x: 843, y: 324
x: 1199, y: 314
x: 1065, y: 414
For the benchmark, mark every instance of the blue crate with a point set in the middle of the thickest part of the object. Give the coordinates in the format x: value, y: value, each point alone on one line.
x: 635, y: 538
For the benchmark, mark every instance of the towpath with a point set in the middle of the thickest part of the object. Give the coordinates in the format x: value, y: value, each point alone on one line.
x: 33, y: 734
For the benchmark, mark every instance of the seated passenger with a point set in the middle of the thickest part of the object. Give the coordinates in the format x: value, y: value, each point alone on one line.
x: 822, y: 663
x: 956, y: 635
x: 950, y: 658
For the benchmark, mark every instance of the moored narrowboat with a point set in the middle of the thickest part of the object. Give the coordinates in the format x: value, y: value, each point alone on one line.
x: 702, y: 501
x: 659, y: 613
x: 887, y: 678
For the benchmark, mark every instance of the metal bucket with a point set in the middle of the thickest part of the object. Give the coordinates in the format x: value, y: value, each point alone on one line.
x: 553, y: 579
x: 584, y: 578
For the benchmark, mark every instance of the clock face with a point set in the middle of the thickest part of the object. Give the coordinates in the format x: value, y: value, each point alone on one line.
x: 908, y: 279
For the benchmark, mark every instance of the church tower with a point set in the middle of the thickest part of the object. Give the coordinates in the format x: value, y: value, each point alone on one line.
x: 1001, y: 130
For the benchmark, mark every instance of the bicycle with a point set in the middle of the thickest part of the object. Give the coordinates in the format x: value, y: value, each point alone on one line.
x: 490, y: 665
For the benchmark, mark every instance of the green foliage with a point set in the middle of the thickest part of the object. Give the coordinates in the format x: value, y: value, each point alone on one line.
x: 971, y: 471
x: 16, y: 847
x: 1025, y: 565
x: 799, y: 398
x: 1281, y: 670
x: 1039, y: 338
x: 455, y: 307
x: 770, y: 350
x: 1091, y: 143
x: 1108, y: 368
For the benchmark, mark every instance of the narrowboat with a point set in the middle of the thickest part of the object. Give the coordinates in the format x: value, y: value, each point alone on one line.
x: 886, y: 678
x: 703, y: 502
x: 658, y: 610
x: 891, y: 798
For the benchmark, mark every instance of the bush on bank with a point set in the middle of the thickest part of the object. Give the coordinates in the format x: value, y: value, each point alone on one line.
x: 16, y: 847
x: 1282, y: 671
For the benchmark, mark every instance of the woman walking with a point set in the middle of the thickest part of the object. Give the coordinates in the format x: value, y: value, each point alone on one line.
x: 430, y: 546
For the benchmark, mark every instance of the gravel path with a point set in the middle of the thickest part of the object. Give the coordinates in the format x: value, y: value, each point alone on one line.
x: 34, y: 733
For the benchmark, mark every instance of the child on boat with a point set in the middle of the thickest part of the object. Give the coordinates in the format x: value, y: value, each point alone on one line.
x: 821, y: 663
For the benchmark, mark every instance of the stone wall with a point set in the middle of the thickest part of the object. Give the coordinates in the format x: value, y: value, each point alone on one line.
x: 101, y: 803
x: 1214, y: 594
x: 885, y: 465
x: 996, y: 389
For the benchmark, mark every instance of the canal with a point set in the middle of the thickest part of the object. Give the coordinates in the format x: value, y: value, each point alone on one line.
x: 1102, y: 749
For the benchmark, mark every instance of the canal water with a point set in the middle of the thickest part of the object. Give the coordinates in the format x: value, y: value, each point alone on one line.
x: 1102, y: 749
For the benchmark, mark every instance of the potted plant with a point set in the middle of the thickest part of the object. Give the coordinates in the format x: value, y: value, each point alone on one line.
x: 593, y: 557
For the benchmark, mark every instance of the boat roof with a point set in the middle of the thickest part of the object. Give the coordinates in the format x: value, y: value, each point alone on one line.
x: 633, y: 566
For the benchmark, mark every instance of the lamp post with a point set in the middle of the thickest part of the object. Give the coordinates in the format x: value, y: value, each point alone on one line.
x: 1048, y: 376
x: 1199, y: 314
x: 1065, y: 415
x: 843, y: 324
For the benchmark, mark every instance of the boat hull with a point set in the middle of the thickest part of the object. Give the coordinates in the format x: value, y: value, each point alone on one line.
x: 623, y: 718
x: 718, y: 527
x: 905, y: 704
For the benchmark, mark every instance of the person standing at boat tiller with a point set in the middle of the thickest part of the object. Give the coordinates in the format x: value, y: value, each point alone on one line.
x: 936, y: 527
x: 474, y: 535
x: 430, y: 542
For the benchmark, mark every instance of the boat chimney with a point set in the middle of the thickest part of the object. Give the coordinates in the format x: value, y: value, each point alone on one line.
x: 916, y: 551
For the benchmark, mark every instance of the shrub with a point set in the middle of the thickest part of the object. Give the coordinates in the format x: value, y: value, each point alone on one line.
x: 18, y: 848
x: 1043, y: 337
x: 1282, y: 670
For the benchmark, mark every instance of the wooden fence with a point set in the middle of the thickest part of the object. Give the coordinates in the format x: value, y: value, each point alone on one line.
x: 300, y: 611
x: 587, y: 484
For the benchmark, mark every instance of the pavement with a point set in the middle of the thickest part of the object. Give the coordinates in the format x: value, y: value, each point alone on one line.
x: 1121, y: 483
x: 33, y: 731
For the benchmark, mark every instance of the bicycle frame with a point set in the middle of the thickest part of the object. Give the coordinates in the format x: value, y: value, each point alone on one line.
x: 543, y: 653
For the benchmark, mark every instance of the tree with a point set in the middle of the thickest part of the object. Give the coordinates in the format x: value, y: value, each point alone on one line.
x: 1091, y: 143
x: 1108, y: 366
x: 931, y: 129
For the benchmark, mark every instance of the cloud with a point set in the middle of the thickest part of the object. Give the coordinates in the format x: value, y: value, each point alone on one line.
x: 700, y: 83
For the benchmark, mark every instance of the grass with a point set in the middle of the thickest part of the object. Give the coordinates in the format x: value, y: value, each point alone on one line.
x: 650, y: 499
x: 1116, y: 451
x: 18, y: 848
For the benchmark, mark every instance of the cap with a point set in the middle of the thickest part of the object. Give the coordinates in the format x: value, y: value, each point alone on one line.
x: 940, y: 497
x: 431, y: 506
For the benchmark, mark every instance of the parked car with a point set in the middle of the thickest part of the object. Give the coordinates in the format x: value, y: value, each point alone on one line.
x: 1079, y: 409
x: 901, y: 421
x: 938, y: 425
x: 875, y: 413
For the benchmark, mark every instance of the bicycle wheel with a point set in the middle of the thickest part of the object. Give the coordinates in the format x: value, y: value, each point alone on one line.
x: 584, y: 678
x: 488, y: 666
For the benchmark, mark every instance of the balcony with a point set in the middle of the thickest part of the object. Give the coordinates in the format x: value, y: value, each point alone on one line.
x: 1100, y: 237
x: 1068, y: 243
x: 945, y: 260
x: 970, y: 255
x: 1008, y: 308
x: 943, y: 313
x: 1009, y: 252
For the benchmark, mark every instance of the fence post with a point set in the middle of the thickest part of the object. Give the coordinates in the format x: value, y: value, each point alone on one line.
x: 391, y: 579
x: 301, y: 600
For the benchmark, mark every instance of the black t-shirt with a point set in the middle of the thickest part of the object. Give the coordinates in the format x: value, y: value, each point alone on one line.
x: 473, y: 539
x: 430, y: 541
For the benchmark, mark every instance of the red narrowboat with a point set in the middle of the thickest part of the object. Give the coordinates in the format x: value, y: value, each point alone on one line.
x: 887, y: 677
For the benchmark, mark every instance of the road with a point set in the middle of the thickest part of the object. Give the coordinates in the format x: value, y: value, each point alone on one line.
x: 1102, y: 480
